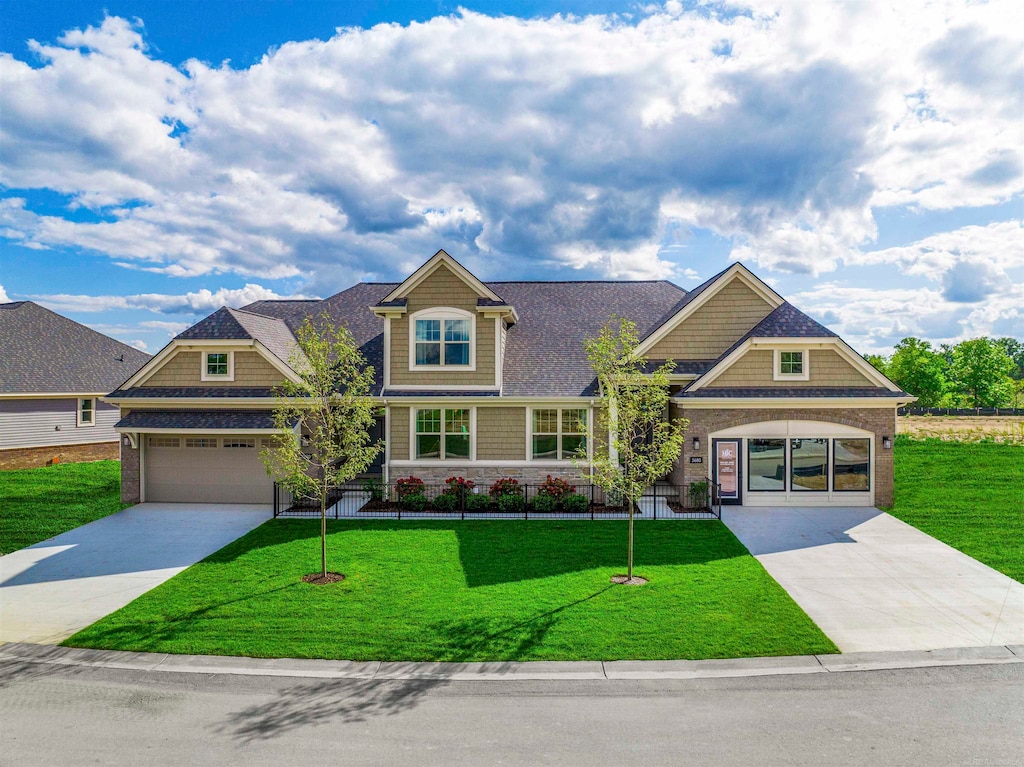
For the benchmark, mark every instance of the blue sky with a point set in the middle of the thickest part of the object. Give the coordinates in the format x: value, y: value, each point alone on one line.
x: 160, y: 159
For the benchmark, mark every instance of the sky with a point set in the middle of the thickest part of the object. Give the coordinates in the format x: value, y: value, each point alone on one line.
x: 161, y: 159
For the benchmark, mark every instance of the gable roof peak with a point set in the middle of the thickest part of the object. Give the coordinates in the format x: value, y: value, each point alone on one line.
x: 439, y: 259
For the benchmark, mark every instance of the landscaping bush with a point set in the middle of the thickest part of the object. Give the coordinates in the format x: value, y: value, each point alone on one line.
x: 575, y: 503
x: 446, y: 502
x: 458, y: 486
x: 409, y: 486
x: 698, y: 494
x: 505, y: 486
x: 511, y: 504
x: 478, y: 502
x: 374, y: 489
x: 545, y: 503
x: 413, y: 502
x: 555, y: 488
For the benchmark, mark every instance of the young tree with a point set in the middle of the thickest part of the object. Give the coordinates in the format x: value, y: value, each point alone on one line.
x: 330, y: 407
x: 643, y: 444
x: 877, y: 361
x: 1015, y: 350
x: 919, y: 370
x: 981, y: 370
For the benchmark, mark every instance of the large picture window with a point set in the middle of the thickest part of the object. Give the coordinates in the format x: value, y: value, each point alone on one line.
x: 443, y: 341
x: 766, y: 465
x: 809, y: 460
x: 558, y: 433
x: 851, y: 465
x: 443, y: 434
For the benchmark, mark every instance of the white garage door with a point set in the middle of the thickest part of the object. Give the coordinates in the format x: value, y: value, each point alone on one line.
x: 206, y: 470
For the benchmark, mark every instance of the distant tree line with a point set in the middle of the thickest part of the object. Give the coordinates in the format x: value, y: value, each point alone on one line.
x: 982, y: 372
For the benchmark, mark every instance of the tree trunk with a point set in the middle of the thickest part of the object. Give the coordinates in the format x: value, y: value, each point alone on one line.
x: 323, y: 529
x: 629, y: 560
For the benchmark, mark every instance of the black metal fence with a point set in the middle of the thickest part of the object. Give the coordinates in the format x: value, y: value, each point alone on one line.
x: 373, y: 499
x: 960, y: 411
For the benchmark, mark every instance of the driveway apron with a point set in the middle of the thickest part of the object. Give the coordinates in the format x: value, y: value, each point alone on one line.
x: 53, y: 589
x: 874, y: 583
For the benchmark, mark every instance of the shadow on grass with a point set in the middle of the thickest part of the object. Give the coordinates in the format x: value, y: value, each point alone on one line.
x: 147, y: 636
x: 504, y: 551
x: 314, y: 704
x: 339, y: 701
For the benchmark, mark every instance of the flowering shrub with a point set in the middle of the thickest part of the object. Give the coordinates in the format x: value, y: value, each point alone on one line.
x: 458, y: 486
x: 409, y: 486
x: 505, y: 486
x: 556, y: 487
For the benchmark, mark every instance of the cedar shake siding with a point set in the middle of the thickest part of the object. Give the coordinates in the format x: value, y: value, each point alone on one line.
x: 50, y: 422
x: 185, y: 369
x: 399, y: 437
x: 715, y: 326
x: 442, y: 289
x: 501, y: 433
x: 755, y: 369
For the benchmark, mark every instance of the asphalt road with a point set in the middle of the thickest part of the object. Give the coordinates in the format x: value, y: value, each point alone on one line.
x: 933, y: 716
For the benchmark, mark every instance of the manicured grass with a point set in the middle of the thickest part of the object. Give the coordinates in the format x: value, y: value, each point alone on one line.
x: 968, y: 495
x: 469, y: 591
x: 36, y: 504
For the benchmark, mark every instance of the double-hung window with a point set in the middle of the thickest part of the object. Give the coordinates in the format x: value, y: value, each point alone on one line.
x: 558, y: 433
x: 443, y: 434
x: 443, y: 341
x: 87, y: 412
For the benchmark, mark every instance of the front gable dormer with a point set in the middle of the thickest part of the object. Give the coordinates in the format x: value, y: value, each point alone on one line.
x: 444, y: 330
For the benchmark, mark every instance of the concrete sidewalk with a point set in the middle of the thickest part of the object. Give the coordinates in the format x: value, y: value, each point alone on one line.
x: 873, y: 583
x: 57, y: 587
x: 511, y: 671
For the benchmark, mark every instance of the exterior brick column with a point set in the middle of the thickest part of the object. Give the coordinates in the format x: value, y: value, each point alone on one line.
x: 131, y: 475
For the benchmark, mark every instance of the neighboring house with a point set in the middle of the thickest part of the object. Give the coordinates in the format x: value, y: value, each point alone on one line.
x: 53, y: 372
x: 486, y: 380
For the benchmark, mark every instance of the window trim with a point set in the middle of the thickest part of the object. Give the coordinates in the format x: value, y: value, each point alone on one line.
x: 777, y: 373
x: 793, y: 487
x: 413, y: 433
x: 91, y: 409
x: 204, y: 366
x: 587, y: 434
x: 871, y: 464
x: 442, y: 313
x: 785, y: 465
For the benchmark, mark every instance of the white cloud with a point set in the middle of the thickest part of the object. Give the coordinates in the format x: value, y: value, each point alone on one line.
x: 198, y: 302
x: 140, y: 345
x: 531, y: 141
x: 4, y: 298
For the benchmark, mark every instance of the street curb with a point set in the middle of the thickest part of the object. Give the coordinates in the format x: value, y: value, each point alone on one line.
x: 508, y: 671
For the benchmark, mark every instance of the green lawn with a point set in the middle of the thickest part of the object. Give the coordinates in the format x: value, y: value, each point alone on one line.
x: 968, y: 495
x: 36, y: 504
x: 469, y: 591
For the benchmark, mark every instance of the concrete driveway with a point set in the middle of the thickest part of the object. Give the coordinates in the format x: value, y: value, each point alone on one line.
x: 51, y: 590
x: 874, y: 583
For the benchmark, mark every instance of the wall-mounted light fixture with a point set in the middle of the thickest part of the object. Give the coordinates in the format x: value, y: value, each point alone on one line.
x: 696, y: 443
x: 887, y: 443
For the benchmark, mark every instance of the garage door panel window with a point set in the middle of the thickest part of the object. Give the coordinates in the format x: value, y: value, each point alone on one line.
x: 200, y: 442
x: 809, y: 459
x: 164, y: 442
x: 240, y: 442
x: 852, y: 465
x: 766, y: 461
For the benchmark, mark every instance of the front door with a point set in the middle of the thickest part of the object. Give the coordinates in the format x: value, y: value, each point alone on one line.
x: 728, y: 469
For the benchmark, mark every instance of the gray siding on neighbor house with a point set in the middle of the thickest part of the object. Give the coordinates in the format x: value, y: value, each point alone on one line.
x: 34, y: 422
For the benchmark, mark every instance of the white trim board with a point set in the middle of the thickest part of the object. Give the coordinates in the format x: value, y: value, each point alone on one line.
x: 432, y: 264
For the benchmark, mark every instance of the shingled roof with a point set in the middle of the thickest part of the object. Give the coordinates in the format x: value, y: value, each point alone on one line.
x: 241, y: 324
x: 43, y: 352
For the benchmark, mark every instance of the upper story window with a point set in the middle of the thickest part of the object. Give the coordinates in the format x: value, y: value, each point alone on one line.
x: 87, y: 412
x: 443, y: 338
x: 218, y: 366
x: 791, y: 364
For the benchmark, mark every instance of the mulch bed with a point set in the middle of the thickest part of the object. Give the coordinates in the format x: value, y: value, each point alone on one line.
x: 623, y: 580
x: 319, y: 579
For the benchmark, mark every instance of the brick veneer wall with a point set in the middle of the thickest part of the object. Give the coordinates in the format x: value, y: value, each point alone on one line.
x: 484, y: 476
x: 131, y: 479
x: 880, y: 421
